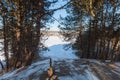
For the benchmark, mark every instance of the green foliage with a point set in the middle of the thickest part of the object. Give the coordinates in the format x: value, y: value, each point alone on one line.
x: 22, y: 23
x: 98, y: 37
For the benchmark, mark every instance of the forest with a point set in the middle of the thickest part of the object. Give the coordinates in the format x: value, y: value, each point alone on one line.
x: 97, y: 24
x: 94, y: 24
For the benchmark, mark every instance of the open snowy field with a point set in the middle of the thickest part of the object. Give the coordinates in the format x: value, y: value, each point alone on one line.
x: 57, y: 49
x: 66, y: 64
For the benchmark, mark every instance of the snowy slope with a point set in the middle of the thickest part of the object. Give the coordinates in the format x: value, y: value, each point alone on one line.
x: 56, y: 49
x: 65, y: 69
x: 66, y: 65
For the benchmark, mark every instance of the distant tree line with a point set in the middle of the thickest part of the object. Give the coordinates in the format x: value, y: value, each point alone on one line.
x: 97, y: 23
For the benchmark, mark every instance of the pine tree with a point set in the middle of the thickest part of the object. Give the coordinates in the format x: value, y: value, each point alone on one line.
x: 22, y: 24
x: 99, y: 20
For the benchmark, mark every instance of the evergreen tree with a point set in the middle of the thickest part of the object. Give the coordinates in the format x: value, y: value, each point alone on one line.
x: 99, y: 22
x: 22, y: 23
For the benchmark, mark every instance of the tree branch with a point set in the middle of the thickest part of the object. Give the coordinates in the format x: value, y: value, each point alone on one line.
x: 53, y: 10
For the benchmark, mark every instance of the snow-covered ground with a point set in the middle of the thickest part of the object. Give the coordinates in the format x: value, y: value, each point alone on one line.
x: 57, y: 49
x: 117, y: 63
x: 66, y: 64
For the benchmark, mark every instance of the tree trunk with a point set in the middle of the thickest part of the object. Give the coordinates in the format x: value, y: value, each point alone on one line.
x: 89, y: 41
x: 107, y: 50
x: 6, y: 44
x: 34, y: 55
x: 18, y: 35
x: 113, y: 49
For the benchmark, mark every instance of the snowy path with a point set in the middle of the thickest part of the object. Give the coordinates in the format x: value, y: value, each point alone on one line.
x: 75, y: 69
x: 106, y: 71
x: 66, y: 64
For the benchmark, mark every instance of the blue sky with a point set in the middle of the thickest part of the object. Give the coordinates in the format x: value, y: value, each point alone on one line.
x: 57, y: 14
x: 54, y: 25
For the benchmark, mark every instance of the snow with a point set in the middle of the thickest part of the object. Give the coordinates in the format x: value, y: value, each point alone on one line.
x: 1, y: 52
x: 90, y: 76
x: 54, y: 40
x: 63, y: 60
x: 56, y: 49
x: 117, y: 63
x: 2, y: 58
x: 35, y: 67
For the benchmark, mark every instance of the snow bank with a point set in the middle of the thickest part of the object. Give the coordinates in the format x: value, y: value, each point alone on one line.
x: 36, y: 68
